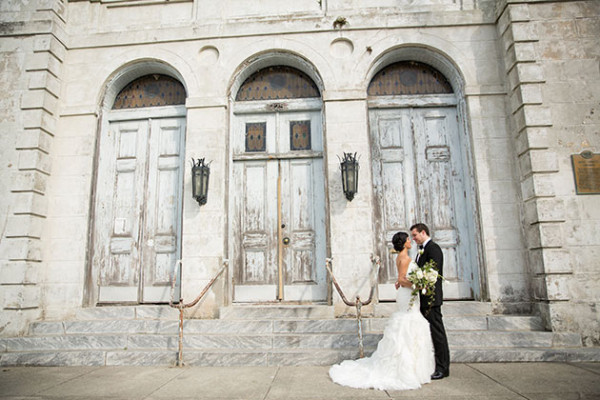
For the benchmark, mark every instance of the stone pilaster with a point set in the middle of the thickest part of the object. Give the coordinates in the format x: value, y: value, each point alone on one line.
x: 350, y: 221
x: 531, y: 120
x: 21, y: 250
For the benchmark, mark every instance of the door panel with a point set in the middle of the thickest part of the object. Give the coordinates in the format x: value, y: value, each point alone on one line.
x: 303, y: 222
x: 163, y: 208
x: 393, y: 179
x: 278, y: 193
x: 441, y: 183
x: 256, y: 216
x: 120, y: 178
x: 419, y: 176
x: 138, y: 209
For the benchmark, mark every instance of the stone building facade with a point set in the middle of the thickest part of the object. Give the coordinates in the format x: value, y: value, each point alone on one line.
x: 96, y: 202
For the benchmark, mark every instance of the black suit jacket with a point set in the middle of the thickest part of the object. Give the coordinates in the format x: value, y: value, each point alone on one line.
x: 432, y: 251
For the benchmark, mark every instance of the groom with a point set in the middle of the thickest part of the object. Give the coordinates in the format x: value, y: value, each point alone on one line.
x: 429, y: 250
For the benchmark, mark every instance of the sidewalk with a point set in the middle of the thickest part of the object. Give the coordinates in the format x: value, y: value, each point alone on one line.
x: 496, y: 381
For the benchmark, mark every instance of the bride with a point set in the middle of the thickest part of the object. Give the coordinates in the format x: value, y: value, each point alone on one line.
x: 404, y: 358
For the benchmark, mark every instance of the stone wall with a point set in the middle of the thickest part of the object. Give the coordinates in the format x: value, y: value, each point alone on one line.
x: 33, y: 55
x: 551, y: 57
x: 15, y: 47
x: 569, y: 54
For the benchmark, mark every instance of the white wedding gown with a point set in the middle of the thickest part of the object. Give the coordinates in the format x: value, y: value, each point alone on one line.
x: 404, y: 358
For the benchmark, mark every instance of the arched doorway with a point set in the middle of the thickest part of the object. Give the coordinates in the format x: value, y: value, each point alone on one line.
x: 277, y: 188
x: 136, y: 236
x: 421, y: 172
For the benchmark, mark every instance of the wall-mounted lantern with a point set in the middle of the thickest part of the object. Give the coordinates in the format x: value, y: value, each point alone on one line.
x: 349, y: 167
x: 200, y: 174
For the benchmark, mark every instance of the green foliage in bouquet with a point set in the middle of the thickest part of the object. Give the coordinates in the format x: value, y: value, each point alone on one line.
x: 423, y: 280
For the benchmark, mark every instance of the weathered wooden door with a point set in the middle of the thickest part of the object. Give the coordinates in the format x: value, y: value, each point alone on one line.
x: 278, y: 230
x: 137, y: 237
x: 420, y: 175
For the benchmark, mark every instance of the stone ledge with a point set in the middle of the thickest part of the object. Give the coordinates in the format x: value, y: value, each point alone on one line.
x: 49, y: 43
x: 19, y: 272
x: 344, y: 95
x: 206, y: 102
x: 54, y: 359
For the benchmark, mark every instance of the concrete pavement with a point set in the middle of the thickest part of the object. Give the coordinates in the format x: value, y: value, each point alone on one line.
x: 496, y: 381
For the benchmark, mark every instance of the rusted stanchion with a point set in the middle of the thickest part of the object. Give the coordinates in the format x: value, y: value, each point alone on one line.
x: 357, y: 303
x: 181, y: 305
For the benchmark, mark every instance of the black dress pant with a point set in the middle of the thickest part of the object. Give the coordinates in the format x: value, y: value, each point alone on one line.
x: 438, y: 336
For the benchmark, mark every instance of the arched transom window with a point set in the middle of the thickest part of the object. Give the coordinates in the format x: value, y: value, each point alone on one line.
x: 277, y: 82
x: 151, y: 91
x: 408, y: 78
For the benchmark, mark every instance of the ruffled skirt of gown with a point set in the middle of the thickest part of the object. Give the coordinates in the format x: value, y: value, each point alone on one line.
x: 404, y: 358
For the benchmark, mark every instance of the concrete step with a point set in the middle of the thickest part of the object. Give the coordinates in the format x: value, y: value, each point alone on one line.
x: 524, y: 354
x: 280, y: 312
x: 449, y: 308
x: 277, y: 311
x: 211, y: 326
x: 276, y: 357
x: 272, y: 335
x: 495, y: 339
x: 474, y: 322
x: 267, y: 326
x: 205, y: 358
x: 276, y: 340
x: 128, y: 312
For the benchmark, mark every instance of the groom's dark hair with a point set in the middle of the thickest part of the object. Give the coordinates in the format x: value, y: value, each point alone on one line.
x: 420, y: 228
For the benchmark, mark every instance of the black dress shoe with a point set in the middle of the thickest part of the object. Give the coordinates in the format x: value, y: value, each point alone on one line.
x: 437, y: 375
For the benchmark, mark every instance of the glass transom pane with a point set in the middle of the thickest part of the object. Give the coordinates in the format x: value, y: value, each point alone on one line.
x: 278, y: 82
x: 151, y: 91
x: 408, y: 78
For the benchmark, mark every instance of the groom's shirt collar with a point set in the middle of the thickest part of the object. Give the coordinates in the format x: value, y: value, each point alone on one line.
x: 425, y: 242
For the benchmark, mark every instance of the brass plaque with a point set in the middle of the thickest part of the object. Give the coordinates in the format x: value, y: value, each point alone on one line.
x: 586, y: 167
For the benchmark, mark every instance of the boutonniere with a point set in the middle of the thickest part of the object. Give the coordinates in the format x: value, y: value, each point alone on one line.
x: 420, y: 252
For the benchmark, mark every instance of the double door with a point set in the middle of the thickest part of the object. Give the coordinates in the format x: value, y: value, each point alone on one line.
x: 278, y: 229
x: 136, y: 238
x: 420, y: 174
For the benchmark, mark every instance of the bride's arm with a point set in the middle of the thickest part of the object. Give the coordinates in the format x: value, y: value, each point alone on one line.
x: 402, y: 267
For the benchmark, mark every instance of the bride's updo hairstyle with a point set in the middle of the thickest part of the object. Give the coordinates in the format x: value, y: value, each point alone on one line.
x: 398, y: 240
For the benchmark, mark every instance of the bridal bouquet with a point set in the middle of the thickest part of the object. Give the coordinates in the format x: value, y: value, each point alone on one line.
x: 423, y: 280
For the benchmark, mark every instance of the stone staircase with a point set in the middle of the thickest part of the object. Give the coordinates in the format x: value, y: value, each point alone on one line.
x: 273, y: 335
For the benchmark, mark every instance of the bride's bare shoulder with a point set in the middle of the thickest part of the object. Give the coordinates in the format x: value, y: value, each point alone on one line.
x: 404, y: 259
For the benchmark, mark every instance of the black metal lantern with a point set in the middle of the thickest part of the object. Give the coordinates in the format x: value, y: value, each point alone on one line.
x: 200, y: 174
x: 349, y: 167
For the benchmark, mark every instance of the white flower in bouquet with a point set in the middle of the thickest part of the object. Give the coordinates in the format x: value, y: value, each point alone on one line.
x: 432, y: 277
x: 423, y: 280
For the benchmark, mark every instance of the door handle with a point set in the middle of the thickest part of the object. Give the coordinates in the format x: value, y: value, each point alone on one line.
x: 286, y: 240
